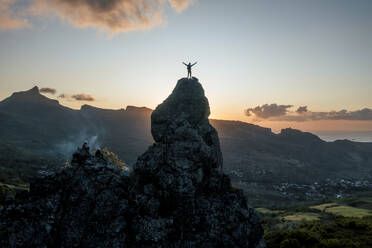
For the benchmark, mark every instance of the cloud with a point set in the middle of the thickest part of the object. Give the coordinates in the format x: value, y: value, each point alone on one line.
x: 301, y: 109
x: 361, y: 115
x: 111, y: 15
x: 274, y: 112
x: 358, y: 115
x: 83, y: 97
x: 48, y: 90
x: 267, y: 111
x: 11, y: 19
x: 77, y: 97
x: 180, y: 5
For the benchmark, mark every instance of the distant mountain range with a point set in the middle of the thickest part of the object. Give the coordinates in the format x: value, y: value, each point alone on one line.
x: 37, y: 123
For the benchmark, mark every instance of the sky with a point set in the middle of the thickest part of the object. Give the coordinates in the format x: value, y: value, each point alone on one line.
x: 303, y: 64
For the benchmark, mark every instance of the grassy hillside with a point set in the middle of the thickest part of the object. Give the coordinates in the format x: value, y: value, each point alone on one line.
x: 345, y: 223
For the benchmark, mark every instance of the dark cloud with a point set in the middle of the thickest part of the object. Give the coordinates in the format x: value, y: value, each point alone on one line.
x: 48, y: 90
x: 267, y: 111
x: 77, y: 97
x: 301, y: 109
x: 360, y: 115
x: 83, y: 97
x: 363, y: 114
x: 274, y: 112
x: 112, y: 15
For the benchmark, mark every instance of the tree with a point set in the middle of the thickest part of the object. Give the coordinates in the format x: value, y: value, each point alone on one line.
x: 112, y: 158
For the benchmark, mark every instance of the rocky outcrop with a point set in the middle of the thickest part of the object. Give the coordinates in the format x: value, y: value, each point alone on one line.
x: 175, y: 196
x: 194, y: 202
x: 81, y: 205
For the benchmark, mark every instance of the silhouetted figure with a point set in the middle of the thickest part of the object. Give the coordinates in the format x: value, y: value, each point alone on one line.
x: 189, y: 65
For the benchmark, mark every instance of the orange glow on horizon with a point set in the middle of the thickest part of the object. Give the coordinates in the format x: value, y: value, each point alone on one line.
x: 227, y: 114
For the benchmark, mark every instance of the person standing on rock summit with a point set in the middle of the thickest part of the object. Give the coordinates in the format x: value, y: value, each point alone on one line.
x: 189, y: 65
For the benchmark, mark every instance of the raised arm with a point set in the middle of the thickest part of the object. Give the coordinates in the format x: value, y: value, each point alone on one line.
x: 184, y: 63
x: 194, y: 64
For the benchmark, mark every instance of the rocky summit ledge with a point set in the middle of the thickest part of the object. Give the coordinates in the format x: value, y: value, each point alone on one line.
x: 175, y: 196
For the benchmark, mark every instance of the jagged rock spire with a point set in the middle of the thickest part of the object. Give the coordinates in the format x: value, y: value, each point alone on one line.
x: 179, y: 184
x: 181, y: 124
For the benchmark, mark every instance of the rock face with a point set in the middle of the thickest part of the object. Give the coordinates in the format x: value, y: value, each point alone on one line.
x: 82, y: 205
x: 187, y: 149
x: 179, y: 181
x: 176, y: 195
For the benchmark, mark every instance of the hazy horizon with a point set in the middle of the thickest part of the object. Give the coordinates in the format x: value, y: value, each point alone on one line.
x: 327, y: 134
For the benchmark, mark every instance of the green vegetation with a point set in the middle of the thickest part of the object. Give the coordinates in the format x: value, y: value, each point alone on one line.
x: 268, y: 211
x: 341, y: 223
x: 302, y: 217
x: 335, y: 232
x: 17, y: 167
x: 323, y: 207
x: 348, y: 211
x: 343, y: 210
x: 113, y: 158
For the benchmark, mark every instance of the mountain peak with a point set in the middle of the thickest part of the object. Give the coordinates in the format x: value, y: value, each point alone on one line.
x: 31, y: 96
x: 34, y: 90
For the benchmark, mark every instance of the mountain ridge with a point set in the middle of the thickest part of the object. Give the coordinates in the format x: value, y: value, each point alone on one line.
x: 252, y: 153
x: 34, y: 96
